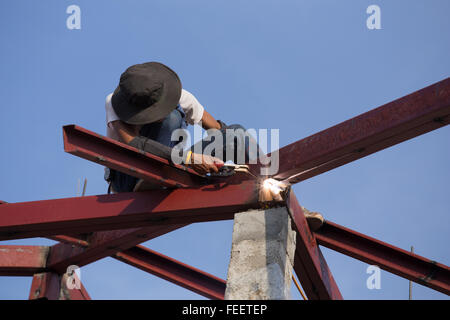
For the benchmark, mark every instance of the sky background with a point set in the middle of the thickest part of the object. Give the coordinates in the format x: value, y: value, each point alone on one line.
x: 299, y: 66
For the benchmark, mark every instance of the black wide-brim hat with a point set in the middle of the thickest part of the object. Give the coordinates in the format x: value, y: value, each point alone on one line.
x: 147, y: 92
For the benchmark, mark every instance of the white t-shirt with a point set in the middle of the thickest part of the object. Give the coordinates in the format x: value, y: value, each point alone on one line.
x: 190, y: 105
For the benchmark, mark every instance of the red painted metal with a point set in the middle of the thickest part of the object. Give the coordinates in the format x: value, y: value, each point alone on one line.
x: 388, y: 257
x: 309, y: 263
x: 52, y: 286
x: 73, y: 294
x: 174, y: 271
x: 122, y: 157
x: 45, y: 286
x: 160, y: 211
x: 126, y: 210
x: 380, y: 128
x: 102, y: 244
x: 22, y: 260
x: 79, y: 240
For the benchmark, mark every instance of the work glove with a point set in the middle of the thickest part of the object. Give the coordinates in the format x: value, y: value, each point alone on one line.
x: 222, y: 124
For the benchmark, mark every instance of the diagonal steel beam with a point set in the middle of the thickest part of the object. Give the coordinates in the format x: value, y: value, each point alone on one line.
x: 101, y: 245
x: 126, y: 210
x: 309, y: 263
x: 22, y: 260
x: 405, y: 118
x: 138, y: 256
x: 122, y: 157
x: 390, y: 258
x: 174, y: 271
x: 78, y: 240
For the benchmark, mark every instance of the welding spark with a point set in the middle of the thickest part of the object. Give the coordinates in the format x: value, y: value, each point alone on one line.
x: 273, y: 185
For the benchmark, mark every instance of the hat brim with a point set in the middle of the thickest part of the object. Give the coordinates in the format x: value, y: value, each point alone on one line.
x: 168, y: 101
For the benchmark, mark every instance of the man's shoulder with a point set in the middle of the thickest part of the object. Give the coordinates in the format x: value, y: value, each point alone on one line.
x: 108, y: 98
x: 110, y: 113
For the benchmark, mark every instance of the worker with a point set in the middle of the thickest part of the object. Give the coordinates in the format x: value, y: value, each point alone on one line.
x: 148, y: 105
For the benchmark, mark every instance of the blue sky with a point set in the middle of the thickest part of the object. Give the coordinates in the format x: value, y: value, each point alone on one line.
x: 299, y: 66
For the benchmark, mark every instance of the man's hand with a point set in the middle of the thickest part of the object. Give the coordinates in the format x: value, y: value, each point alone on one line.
x: 204, y: 164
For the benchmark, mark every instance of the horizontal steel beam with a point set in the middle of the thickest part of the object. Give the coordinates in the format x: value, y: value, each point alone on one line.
x: 174, y: 271
x: 309, y: 263
x: 22, y: 260
x: 122, y: 157
x: 405, y: 118
x: 390, y: 258
x: 126, y: 210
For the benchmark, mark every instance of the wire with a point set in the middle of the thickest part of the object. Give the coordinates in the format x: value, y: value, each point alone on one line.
x: 299, y: 289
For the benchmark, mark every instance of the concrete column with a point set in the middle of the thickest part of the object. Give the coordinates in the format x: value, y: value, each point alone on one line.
x: 262, y: 256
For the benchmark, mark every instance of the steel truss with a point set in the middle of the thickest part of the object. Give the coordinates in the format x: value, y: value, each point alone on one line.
x: 94, y: 227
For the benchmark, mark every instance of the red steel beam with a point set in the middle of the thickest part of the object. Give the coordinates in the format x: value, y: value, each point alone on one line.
x: 101, y: 245
x: 108, y: 243
x: 73, y: 294
x: 52, y: 286
x: 122, y: 157
x: 78, y: 240
x: 390, y: 258
x: 405, y: 118
x: 309, y: 263
x: 16, y: 260
x: 126, y: 210
x: 22, y: 260
x: 174, y: 271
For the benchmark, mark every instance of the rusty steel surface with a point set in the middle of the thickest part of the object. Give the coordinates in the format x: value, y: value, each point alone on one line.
x: 18, y: 260
x: 45, y: 286
x: 309, y: 263
x: 67, y: 293
x: 88, y: 227
x: 78, y: 240
x: 380, y: 128
x: 126, y: 210
x: 101, y: 245
x: 52, y: 286
x: 122, y: 157
x: 388, y: 257
x: 174, y: 271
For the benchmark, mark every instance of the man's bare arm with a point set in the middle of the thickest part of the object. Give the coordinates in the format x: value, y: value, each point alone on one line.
x: 129, y: 134
x: 208, y: 121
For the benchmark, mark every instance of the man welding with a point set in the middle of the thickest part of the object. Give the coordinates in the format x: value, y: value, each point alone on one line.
x: 146, y: 107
